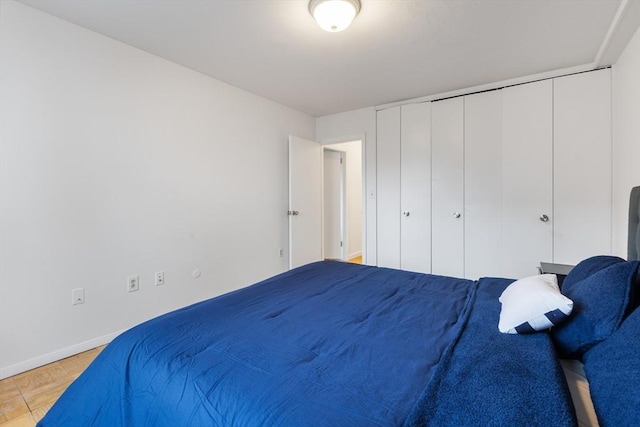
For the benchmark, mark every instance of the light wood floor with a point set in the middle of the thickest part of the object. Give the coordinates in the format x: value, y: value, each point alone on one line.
x: 25, y: 398
x: 356, y: 260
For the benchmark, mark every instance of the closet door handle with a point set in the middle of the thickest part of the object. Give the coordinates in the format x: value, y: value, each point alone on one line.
x: 457, y: 215
x: 406, y: 213
x: 544, y: 218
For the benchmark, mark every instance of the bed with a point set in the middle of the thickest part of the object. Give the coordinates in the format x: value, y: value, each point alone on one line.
x: 338, y: 344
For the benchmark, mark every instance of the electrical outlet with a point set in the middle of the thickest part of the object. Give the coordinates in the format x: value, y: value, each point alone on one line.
x: 77, y: 296
x: 133, y: 283
x: 160, y: 278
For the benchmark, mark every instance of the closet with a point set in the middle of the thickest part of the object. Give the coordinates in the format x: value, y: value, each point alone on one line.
x: 447, y: 187
x: 415, y: 192
x: 404, y: 190
x: 527, y: 177
x: 484, y: 162
x: 582, y: 169
x: 490, y: 184
x: 388, y: 177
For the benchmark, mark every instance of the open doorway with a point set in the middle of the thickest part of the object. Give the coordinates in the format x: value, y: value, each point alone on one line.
x: 343, y: 197
x: 334, y: 206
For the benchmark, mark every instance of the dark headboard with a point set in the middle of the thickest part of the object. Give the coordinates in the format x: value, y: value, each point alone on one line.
x: 633, y: 248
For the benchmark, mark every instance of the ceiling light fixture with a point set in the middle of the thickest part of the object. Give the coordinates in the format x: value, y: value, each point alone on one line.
x: 334, y: 15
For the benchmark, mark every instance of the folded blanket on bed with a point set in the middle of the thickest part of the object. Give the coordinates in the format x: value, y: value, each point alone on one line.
x: 495, y: 379
x: 613, y: 371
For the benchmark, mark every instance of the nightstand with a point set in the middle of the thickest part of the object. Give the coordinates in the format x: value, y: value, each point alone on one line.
x: 560, y: 270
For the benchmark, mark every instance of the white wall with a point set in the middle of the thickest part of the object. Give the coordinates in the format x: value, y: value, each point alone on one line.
x: 354, y: 194
x: 625, y: 85
x: 351, y: 125
x: 116, y: 163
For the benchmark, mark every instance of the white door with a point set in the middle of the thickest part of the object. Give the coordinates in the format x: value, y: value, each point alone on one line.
x: 333, y: 205
x: 415, y: 191
x: 527, y: 178
x: 483, y: 184
x: 582, y: 166
x: 447, y: 187
x: 388, y: 208
x: 305, y: 201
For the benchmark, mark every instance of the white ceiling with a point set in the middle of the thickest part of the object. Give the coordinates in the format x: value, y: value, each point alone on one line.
x: 394, y: 50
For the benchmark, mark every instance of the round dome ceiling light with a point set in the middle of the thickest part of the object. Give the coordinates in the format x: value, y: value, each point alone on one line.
x: 334, y: 15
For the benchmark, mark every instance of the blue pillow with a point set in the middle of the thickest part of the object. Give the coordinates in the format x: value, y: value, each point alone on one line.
x: 601, y: 301
x: 588, y: 267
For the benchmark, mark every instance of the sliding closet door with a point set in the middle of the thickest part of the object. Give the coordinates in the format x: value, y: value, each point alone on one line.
x: 415, y: 187
x: 483, y: 184
x: 582, y: 166
x: 388, y: 170
x: 447, y: 187
x: 527, y: 198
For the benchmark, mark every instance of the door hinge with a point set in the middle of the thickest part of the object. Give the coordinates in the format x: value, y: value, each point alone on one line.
x: 340, y: 244
x: 340, y: 160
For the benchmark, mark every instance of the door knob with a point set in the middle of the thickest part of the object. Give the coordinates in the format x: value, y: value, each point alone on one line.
x: 406, y: 213
x: 544, y: 218
x: 293, y: 213
x: 457, y: 215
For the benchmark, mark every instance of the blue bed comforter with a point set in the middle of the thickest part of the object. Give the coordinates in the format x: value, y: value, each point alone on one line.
x: 327, y: 344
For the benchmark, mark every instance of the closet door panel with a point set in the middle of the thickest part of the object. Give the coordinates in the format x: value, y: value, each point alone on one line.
x: 447, y: 187
x: 483, y: 184
x: 582, y: 166
x: 388, y: 202
x: 527, y: 185
x: 415, y: 187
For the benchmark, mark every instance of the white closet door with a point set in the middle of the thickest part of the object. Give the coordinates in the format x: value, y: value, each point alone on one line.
x: 582, y: 166
x: 483, y: 185
x: 527, y: 184
x: 415, y: 190
x: 388, y: 165
x: 447, y: 187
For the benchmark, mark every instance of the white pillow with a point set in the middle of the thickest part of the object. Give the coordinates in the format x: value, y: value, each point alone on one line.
x: 533, y: 304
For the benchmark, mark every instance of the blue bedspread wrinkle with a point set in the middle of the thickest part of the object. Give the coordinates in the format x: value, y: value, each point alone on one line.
x: 327, y: 344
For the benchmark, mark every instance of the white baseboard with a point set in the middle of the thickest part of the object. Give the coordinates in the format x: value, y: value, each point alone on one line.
x: 45, y: 359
